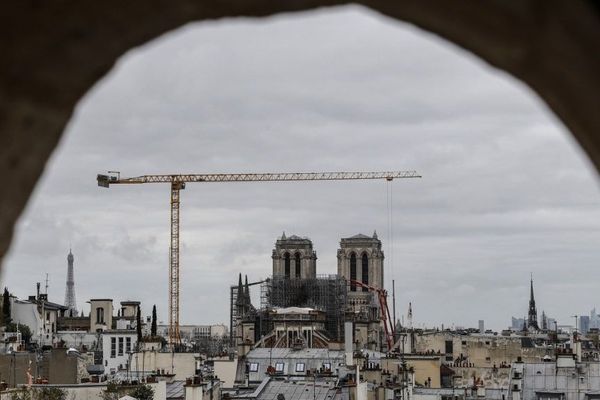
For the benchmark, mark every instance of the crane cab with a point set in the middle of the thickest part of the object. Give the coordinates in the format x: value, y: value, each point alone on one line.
x: 106, y: 180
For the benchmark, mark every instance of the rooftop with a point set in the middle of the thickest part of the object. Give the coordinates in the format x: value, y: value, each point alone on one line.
x: 361, y: 237
x: 293, y: 237
x: 266, y: 352
x: 294, y: 310
x: 175, y: 390
x: 298, y: 390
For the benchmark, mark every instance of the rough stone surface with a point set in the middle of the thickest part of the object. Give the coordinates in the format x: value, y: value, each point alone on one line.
x: 54, y: 51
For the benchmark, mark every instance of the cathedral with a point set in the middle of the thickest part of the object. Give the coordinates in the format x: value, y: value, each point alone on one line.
x: 302, y: 308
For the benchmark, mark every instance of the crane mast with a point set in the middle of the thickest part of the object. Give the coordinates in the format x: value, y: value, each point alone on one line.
x: 178, y: 181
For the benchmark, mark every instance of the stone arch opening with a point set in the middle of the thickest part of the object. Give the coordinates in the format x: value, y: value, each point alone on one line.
x: 298, y: 265
x: 353, y: 271
x: 287, y: 265
x: 365, y: 270
x: 550, y: 46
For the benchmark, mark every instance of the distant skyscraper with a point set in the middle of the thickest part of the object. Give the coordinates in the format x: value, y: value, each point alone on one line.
x: 481, y: 326
x: 584, y: 324
x: 532, y: 315
x: 544, y: 321
x: 594, y: 319
x: 517, y: 323
x: 70, y: 291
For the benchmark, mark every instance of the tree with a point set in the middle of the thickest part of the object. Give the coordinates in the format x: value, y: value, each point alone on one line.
x: 139, y: 324
x: 143, y: 392
x: 49, y: 393
x: 153, y: 328
x: 6, y: 307
x: 115, y: 391
x: 24, y: 329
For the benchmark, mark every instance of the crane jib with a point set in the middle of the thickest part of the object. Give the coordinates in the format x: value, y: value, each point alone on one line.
x: 107, y: 180
x: 178, y: 182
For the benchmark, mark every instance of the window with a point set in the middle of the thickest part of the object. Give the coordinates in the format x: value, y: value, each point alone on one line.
x: 279, y: 367
x: 113, y: 347
x: 327, y: 366
x: 550, y: 396
x: 128, y: 345
x: 352, y: 271
x: 449, y: 346
x: 297, y: 257
x: 120, y: 346
x: 365, y: 271
x: 299, y: 367
x: 286, y: 262
x: 253, y: 367
x: 99, y: 315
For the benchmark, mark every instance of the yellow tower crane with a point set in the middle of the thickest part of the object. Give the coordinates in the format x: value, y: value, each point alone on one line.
x: 178, y: 182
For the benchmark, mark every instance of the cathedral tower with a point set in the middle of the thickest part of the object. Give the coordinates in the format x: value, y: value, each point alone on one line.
x: 360, y: 258
x: 294, y: 258
x: 70, y: 290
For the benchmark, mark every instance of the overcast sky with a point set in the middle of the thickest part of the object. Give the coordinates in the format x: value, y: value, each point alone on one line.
x: 505, y: 190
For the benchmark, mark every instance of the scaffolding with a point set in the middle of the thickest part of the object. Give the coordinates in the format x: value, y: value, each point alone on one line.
x: 233, y: 314
x: 325, y: 292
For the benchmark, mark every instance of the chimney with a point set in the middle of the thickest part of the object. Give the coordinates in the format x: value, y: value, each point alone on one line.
x: 348, y: 345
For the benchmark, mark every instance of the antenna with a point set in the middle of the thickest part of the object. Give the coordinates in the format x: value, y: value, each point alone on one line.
x: 46, y: 284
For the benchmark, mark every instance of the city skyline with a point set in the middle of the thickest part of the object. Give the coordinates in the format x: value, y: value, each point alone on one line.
x: 483, y: 214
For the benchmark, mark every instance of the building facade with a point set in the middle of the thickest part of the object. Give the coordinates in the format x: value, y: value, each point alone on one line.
x: 117, y: 348
x: 101, y: 314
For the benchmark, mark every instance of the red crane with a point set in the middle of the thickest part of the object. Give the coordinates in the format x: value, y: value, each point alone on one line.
x: 388, y: 325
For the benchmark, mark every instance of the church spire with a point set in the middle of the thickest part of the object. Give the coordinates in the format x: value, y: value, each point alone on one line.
x: 240, y: 300
x: 532, y: 315
x: 247, y: 291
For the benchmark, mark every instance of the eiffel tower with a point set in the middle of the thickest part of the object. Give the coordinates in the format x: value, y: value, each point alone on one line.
x: 70, y: 291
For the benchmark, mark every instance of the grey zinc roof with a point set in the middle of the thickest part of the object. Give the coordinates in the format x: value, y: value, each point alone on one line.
x: 298, y: 390
x: 267, y: 352
x: 175, y: 390
x: 310, y: 358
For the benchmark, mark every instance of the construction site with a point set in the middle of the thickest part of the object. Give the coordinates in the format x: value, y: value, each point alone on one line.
x: 294, y: 282
x: 299, y: 308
